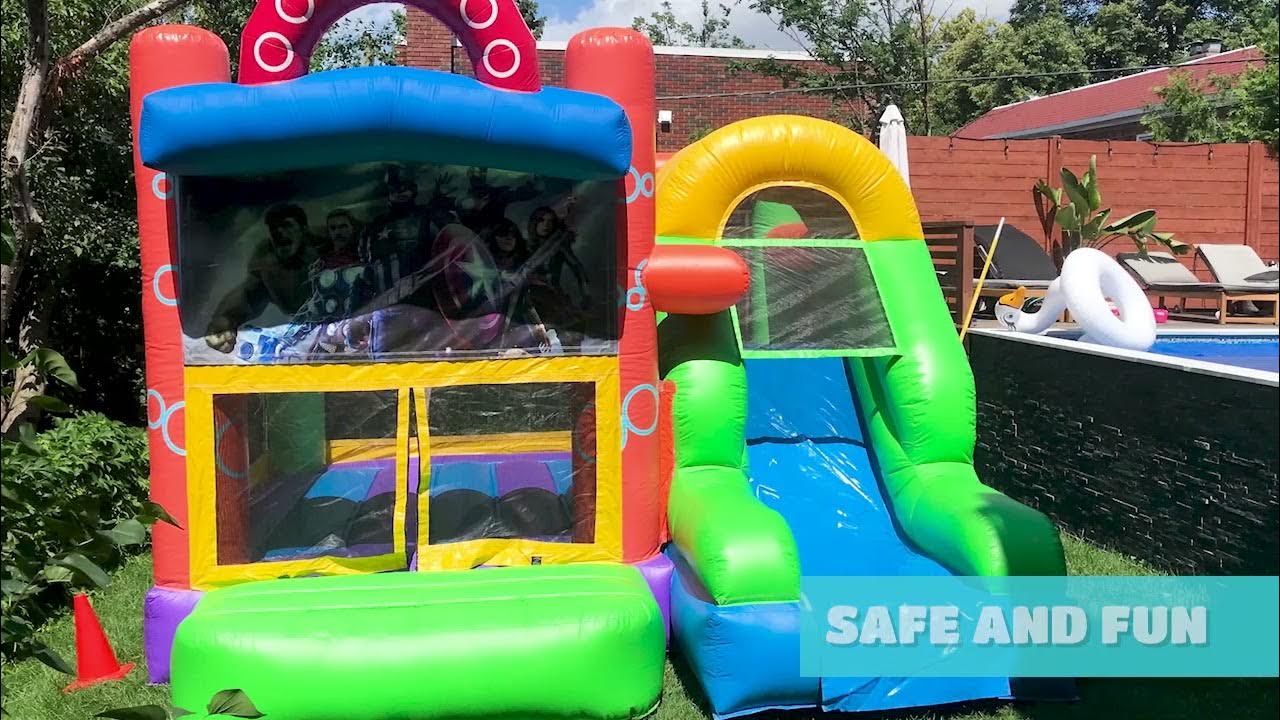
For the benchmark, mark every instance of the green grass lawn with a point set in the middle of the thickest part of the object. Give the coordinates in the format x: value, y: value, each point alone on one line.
x: 34, y: 692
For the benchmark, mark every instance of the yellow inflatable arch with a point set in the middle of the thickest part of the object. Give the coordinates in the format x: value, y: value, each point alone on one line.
x: 702, y: 184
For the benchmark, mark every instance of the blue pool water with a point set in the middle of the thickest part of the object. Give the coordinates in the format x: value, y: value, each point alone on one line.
x: 1258, y: 352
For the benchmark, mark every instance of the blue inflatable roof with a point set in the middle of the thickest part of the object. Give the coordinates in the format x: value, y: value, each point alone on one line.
x: 344, y: 117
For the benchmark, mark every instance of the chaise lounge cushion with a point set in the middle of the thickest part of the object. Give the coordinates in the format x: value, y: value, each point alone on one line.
x: 1239, y: 268
x: 569, y: 641
x: 1162, y: 271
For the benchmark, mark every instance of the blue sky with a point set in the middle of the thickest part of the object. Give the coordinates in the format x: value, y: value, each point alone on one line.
x: 566, y: 17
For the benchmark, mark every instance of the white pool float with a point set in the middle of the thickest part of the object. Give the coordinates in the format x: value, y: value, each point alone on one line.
x: 1089, y: 277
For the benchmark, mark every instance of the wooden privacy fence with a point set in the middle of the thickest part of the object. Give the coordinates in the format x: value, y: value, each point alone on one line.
x: 1228, y: 194
x: 951, y: 247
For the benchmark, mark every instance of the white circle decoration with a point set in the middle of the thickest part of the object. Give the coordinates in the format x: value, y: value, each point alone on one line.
x: 295, y: 19
x: 493, y: 15
x: 288, y: 50
x: 515, y: 65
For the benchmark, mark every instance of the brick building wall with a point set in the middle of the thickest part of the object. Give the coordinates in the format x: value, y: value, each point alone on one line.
x: 680, y: 72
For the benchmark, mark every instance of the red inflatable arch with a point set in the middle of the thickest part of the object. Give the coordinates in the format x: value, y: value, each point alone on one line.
x: 280, y: 35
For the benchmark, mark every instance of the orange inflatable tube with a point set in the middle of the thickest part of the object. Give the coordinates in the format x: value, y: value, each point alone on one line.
x: 695, y: 279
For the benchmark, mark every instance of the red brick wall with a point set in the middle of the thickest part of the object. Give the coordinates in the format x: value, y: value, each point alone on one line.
x: 1201, y: 193
x: 428, y: 44
x: 679, y: 75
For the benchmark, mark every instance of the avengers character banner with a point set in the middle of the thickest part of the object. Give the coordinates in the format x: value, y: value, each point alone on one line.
x: 395, y: 262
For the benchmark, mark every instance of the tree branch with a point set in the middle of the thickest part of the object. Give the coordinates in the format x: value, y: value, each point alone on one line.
x: 27, y: 223
x: 111, y: 33
x: 38, y: 98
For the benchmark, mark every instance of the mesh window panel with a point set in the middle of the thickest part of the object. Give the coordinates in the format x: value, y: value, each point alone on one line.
x: 304, y: 475
x: 811, y: 299
x: 512, y: 461
x: 387, y: 261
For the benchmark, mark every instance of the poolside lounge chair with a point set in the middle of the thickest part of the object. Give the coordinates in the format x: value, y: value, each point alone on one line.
x: 1162, y: 275
x: 1020, y: 261
x: 1238, y: 267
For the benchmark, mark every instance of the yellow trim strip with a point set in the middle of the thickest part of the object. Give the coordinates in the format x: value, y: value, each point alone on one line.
x: 398, y: 528
x: 206, y: 573
x: 608, y: 515
x: 392, y: 376
x: 702, y: 184
x: 421, y: 404
x: 203, y: 382
x: 352, y: 450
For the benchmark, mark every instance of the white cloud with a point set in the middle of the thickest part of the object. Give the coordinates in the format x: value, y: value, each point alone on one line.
x: 377, y: 12
x: 756, y: 29
x: 751, y: 26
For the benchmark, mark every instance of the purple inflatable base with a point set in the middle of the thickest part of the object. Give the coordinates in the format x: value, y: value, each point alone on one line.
x: 162, y: 610
x: 657, y: 572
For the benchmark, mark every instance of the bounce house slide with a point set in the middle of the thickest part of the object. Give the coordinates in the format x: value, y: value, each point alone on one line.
x: 823, y: 427
x: 810, y: 461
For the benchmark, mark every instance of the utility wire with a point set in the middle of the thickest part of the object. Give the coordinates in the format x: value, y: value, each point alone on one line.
x: 942, y: 81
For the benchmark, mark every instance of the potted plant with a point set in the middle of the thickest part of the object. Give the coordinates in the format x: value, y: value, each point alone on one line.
x: 1076, y: 208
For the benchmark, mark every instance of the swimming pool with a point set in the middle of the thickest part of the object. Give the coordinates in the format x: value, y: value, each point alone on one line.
x: 1258, y: 352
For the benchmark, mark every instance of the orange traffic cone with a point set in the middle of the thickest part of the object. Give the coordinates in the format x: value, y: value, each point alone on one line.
x: 95, y: 660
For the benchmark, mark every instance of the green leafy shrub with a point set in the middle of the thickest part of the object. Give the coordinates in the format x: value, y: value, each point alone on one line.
x: 73, y: 502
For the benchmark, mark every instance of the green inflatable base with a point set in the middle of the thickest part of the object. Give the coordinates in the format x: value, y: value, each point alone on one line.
x: 568, y: 641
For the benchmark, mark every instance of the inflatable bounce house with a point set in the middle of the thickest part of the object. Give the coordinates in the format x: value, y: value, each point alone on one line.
x: 465, y: 414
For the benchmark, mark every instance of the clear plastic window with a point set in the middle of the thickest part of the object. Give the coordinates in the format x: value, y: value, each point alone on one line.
x: 305, y: 475
x: 811, y: 299
x: 512, y: 461
x: 390, y: 261
x: 812, y: 291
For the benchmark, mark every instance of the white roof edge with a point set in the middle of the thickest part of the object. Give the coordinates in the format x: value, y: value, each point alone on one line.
x: 744, y: 53
x: 1217, y: 57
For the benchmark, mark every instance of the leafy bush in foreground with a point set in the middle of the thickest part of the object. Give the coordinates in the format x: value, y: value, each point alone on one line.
x: 71, y: 503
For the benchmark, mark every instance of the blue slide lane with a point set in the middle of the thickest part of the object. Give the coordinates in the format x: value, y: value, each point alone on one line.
x: 809, y: 461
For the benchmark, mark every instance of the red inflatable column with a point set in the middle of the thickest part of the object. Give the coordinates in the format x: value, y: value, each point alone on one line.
x: 618, y: 64
x: 162, y: 57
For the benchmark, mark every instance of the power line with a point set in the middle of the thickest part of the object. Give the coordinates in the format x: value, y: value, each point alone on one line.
x: 942, y: 81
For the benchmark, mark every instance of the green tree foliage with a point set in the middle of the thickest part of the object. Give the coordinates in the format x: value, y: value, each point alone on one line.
x: 1224, y: 109
x: 1042, y: 48
x: 942, y: 71
x: 81, y: 291
x: 359, y: 42
x: 964, y: 42
x: 1256, y: 114
x: 711, y: 30
x: 972, y: 47
x: 1191, y: 111
x: 1162, y: 29
x: 871, y: 50
x: 1117, y: 36
x: 536, y: 22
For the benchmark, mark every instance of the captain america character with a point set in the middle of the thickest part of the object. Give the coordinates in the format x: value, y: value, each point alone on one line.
x: 395, y: 243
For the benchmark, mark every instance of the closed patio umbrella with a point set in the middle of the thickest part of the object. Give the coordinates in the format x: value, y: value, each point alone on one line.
x: 893, y: 141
